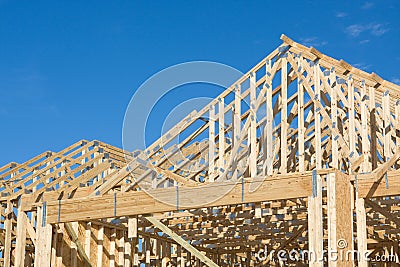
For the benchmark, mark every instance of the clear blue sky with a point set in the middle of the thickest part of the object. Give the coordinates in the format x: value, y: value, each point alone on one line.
x: 69, y: 68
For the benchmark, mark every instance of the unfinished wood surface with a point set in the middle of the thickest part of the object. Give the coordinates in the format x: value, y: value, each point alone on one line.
x: 229, y: 189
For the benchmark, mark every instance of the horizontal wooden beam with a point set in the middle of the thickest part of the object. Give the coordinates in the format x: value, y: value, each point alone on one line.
x: 139, y: 202
x: 367, y: 187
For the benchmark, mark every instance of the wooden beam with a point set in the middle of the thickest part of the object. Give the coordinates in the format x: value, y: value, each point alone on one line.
x: 21, y: 239
x: 368, y: 187
x: 284, y: 122
x: 340, y: 218
x: 361, y: 232
x: 317, y: 119
x: 132, y: 227
x: 366, y: 166
x: 269, y: 163
x: 315, y: 223
x: 203, y: 258
x: 211, y: 144
x: 252, y: 135
x: 221, y: 135
x: 294, y: 186
x: 74, y: 238
x: 100, y: 246
x: 8, y: 228
x: 300, y: 115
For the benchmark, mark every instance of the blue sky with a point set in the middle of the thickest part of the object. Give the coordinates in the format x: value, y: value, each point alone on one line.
x: 69, y: 68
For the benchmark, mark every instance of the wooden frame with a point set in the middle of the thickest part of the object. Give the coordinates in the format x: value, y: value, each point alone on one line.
x: 309, y: 161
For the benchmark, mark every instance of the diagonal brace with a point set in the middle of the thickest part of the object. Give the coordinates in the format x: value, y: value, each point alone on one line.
x: 182, y: 242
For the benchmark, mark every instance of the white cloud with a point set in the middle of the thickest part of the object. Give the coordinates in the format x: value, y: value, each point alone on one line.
x: 376, y: 29
x: 367, y: 5
x: 364, y: 41
x: 312, y: 41
x: 362, y: 66
x: 341, y: 14
x: 354, y: 30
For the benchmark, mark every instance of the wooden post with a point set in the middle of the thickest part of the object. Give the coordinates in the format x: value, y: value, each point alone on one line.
x: 372, y: 127
x: 387, y: 133
x: 361, y: 232
x: 100, y: 238
x: 54, y: 249
x: 8, y: 229
x: 352, y: 127
x: 88, y: 233
x: 284, y: 123
x: 253, y: 127
x: 135, y: 246
x: 334, y: 121
x: 125, y: 258
x: 317, y: 119
x: 21, y: 239
x: 397, y: 123
x: 221, y: 134
x: 315, y: 223
x: 270, y: 120
x: 364, y: 130
x: 148, y: 251
x: 74, y: 248
x: 236, y: 115
x: 60, y: 244
x: 211, y: 144
x: 181, y: 258
x: 112, y: 247
x: 340, y: 219
x: 236, y: 126
x: 300, y: 115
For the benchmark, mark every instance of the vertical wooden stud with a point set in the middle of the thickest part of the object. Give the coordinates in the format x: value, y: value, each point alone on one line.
x: 284, y: 123
x: 211, y: 144
x: 221, y: 138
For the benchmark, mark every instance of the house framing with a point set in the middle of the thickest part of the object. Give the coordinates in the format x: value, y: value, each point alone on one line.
x: 302, y: 154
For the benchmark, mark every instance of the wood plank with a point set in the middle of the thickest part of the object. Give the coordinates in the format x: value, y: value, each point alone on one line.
x: 221, y: 136
x: 211, y: 145
x: 284, y: 122
x: 361, y: 232
x: 340, y: 217
x: 21, y: 239
x: 268, y: 169
x: 203, y: 258
x: 8, y: 228
x: 315, y: 224
x: 88, y: 232
x: 300, y: 116
x: 334, y: 118
x: 366, y: 167
x: 252, y: 136
x: 352, y: 126
x: 132, y: 227
x: 294, y: 185
x: 317, y: 119
x: 71, y: 230
x: 100, y: 240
